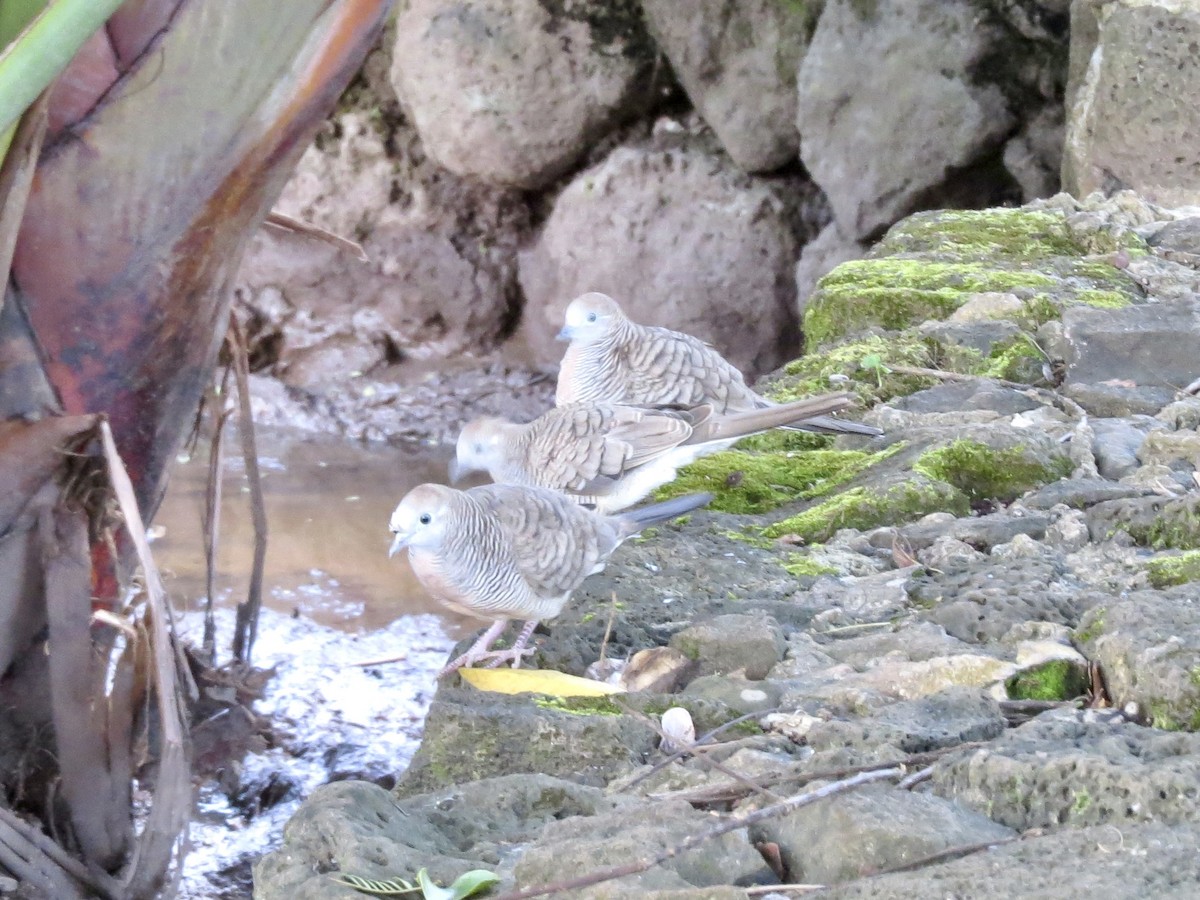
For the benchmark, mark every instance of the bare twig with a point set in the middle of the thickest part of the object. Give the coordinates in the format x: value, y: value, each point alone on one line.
x: 246, y: 628
x: 728, y: 793
x: 34, y: 867
x: 731, y: 823
x: 950, y: 853
x: 298, y: 226
x: 171, y: 807
x: 379, y: 662
x: 100, y: 882
x: 908, y: 782
x: 212, y: 514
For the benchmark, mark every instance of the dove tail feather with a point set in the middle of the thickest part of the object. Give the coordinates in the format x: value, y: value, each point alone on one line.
x: 655, y: 513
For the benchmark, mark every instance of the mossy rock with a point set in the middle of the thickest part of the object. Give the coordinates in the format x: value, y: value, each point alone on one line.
x: 931, y: 263
x: 754, y: 482
x: 901, y: 499
x: 1168, y: 571
x: 1057, y: 679
x: 996, y: 473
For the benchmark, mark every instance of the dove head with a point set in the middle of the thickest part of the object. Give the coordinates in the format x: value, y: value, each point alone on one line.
x: 480, y: 447
x: 422, y: 518
x: 591, y: 317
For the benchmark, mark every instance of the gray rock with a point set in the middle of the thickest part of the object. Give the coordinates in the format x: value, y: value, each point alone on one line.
x: 725, y: 51
x: 945, y: 719
x: 980, y: 603
x: 857, y: 833
x: 1081, y: 493
x: 729, y: 643
x: 472, y: 734
x: 1148, y: 648
x: 980, y: 532
x: 515, y: 92
x: 875, y: 150
x: 1119, y: 399
x: 1060, y: 769
x: 358, y: 828
x: 1116, y: 446
x: 828, y: 249
x: 982, y: 337
x: 1132, y: 119
x: 1142, y: 344
x: 662, y: 584
x: 673, y: 236
x: 915, y: 642
x: 1153, y: 521
x: 1150, y: 860
x: 1181, y: 235
x: 584, y: 844
x: 947, y: 552
x: 441, y: 273
x: 966, y: 395
x: 739, y: 694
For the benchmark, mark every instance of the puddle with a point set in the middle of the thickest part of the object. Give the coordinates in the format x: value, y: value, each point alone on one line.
x: 331, y: 599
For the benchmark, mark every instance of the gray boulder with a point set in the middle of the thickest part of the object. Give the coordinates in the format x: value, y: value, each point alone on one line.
x: 1069, y: 768
x: 863, y: 831
x: 586, y: 844
x: 726, y: 52
x: 1140, y: 861
x: 892, y: 105
x: 1148, y: 647
x: 679, y: 238
x: 1132, y: 119
x: 472, y: 734
x: 514, y: 91
x: 358, y: 828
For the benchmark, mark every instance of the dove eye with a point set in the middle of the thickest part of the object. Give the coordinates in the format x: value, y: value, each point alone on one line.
x: 591, y: 317
x: 426, y: 518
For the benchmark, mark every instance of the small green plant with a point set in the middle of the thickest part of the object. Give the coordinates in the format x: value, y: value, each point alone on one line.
x: 873, y: 363
x: 466, y: 885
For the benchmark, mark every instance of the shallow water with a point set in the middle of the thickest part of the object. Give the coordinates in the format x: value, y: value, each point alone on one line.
x: 328, y: 503
x: 331, y: 599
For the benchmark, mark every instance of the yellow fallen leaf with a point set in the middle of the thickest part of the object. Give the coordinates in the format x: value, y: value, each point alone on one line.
x: 536, y: 681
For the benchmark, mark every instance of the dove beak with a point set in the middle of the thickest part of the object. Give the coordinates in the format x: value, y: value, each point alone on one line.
x: 566, y: 334
x: 399, y: 542
x: 455, y: 471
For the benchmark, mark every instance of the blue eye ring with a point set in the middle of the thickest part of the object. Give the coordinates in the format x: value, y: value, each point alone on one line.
x: 425, y: 519
x: 591, y: 317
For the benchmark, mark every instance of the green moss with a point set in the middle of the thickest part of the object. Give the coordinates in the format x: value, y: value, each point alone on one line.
x: 989, y: 473
x: 864, y: 508
x: 1164, y: 715
x: 1094, y: 629
x: 850, y: 367
x: 1014, y: 233
x: 800, y: 565
x: 756, y: 482
x: 1058, y: 679
x: 1083, y: 800
x: 1175, y: 525
x: 579, y: 706
x: 1018, y: 360
x: 930, y: 264
x: 1105, y: 299
x: 894, y: 293
x: 1167, y: 571
x: 782, y: 440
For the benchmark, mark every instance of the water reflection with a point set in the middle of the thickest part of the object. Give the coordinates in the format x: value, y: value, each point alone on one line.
x: 328, y: 503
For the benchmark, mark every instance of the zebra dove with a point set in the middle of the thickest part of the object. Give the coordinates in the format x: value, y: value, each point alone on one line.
x: 610, y: 456
x: 612, y: 359
x: 503, y: 552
